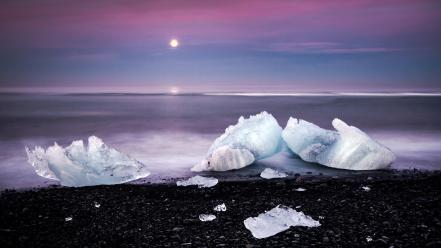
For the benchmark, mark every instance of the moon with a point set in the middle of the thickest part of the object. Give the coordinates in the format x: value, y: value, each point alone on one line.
x: 174, y: 43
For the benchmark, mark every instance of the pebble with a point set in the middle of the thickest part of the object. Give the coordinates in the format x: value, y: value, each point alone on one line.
x: 138, y: 214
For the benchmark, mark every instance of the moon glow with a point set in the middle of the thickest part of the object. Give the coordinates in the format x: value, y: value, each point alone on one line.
x: 174, y: 43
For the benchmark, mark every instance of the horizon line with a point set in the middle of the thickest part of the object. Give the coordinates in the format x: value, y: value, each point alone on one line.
x: 256, y: 94
x: 248, y: 94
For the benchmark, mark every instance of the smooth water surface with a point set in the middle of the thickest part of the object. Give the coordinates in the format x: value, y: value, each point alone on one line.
x: 170, y: 133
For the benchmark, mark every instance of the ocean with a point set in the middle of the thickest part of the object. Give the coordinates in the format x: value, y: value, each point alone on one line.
x: 171, y: 133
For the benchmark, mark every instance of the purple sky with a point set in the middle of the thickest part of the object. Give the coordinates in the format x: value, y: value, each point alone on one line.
x: 251, y: 46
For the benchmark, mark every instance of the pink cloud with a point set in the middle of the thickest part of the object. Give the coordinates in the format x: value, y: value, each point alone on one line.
x: 143, y: 23
x: 362, y: 50
x: 91, y: 57
x: 322, y: 47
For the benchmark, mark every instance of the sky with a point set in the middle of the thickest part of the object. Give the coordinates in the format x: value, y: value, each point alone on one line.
x: 225, y: 46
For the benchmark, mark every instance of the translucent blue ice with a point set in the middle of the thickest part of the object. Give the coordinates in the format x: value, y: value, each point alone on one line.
x: 249, y: 140
x: 346, y: 148
x: 79, y: 165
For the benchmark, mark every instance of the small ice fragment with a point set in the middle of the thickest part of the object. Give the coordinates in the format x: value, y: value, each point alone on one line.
x: 207, y: 217
x: 369, y: 239
x: 96, y: 204
x: 298, y: 206
x: 300, y: 189
x: 68, y: 219
x: 220, y: 208
x: 269, y: 173
x: 201, y: 182
x: 321, y: 217
x: 366, y: 188
x: 276, y: 220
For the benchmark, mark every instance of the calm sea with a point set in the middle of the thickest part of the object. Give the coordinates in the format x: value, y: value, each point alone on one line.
x: 170, y: 133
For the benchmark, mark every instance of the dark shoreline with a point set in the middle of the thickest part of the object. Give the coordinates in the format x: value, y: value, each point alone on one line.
x: 401, y: 210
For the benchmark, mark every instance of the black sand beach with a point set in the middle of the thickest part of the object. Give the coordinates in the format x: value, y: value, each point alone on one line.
x: 402, y: 209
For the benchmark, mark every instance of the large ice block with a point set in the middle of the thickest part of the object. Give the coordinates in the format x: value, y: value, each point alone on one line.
x: 346, y: 148
x: 79, y: 165
x: 249, y: 140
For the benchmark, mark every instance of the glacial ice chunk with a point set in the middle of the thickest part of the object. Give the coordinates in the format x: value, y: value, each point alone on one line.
x: 366, y: 188
x: 346, y: 148
x: 249, y: 140
x: 277, y: 220
x: 269, y: 173
x: 79, y: 165
x: 200, y: 181
x: 207, y: 217
x: 220, y: 208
